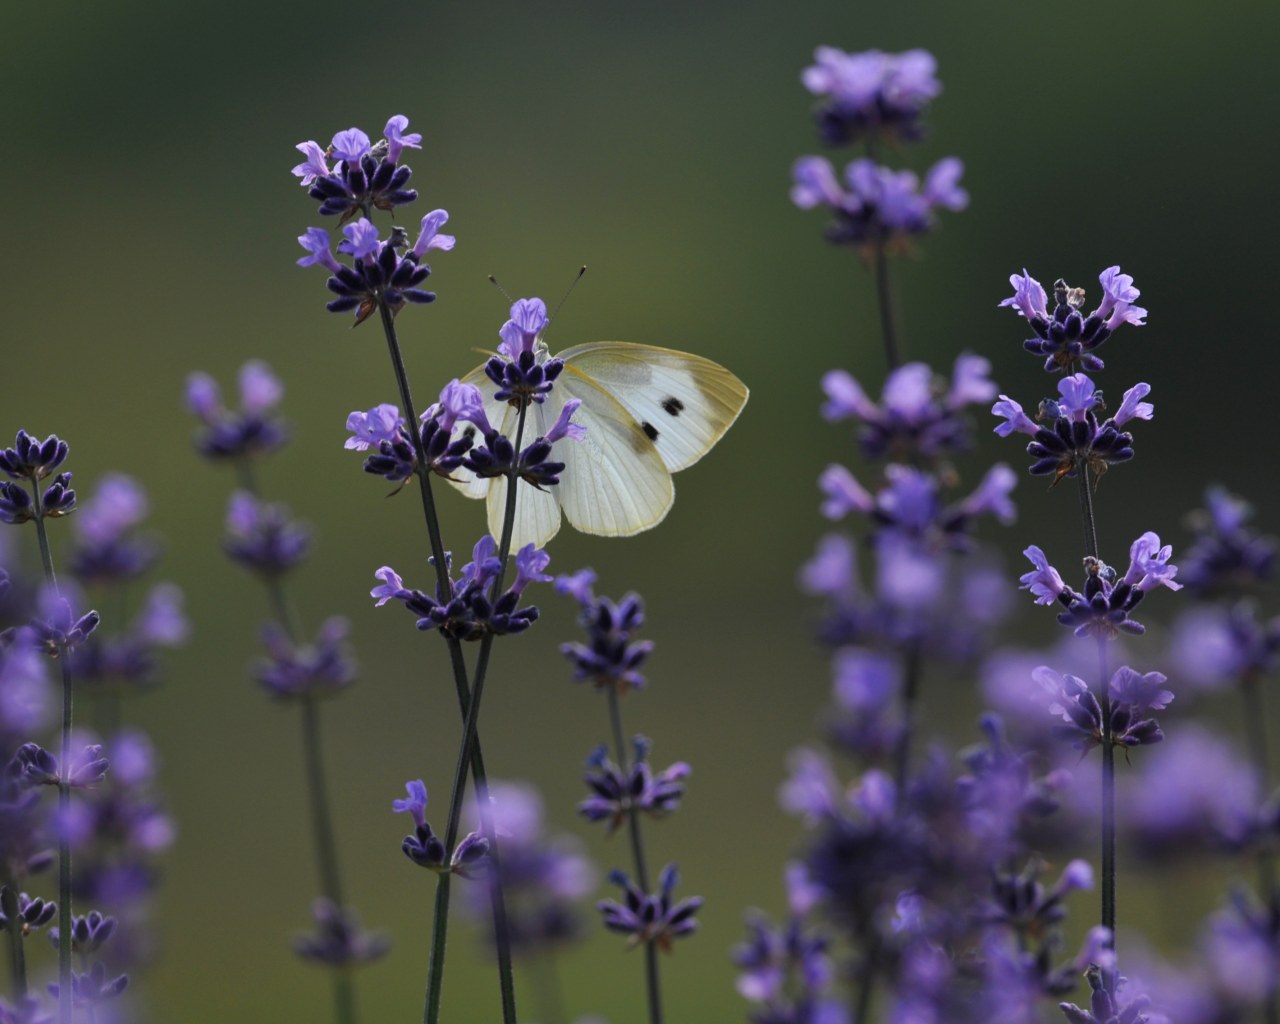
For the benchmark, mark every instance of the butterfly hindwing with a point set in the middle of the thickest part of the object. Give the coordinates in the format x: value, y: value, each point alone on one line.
x: 614, y: 483
x: 687, y: 402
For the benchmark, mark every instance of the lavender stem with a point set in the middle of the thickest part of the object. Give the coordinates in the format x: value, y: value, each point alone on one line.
x: 1086, y: 510
x: 470, y: 743
x: 652, y: 985
x: 64, y: 794
x: 17, y: 954
x: 1108, y: 801
x: 885, y: 301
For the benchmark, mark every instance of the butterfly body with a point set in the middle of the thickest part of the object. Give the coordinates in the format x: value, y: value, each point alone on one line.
x: 648, y: 412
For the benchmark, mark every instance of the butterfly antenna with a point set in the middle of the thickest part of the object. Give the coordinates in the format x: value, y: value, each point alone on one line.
x: 494, y: 281
x: 568, y: 291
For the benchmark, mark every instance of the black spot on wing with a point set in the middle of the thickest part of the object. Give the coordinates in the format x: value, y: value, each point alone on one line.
x: 673, y: 406
x: 650, y: 431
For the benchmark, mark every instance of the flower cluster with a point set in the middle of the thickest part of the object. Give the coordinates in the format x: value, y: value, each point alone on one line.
x: 870, y: 93
x: 1102, y: 608
x: 616, y: 792
x: 470, y: 608
x: 426, y: 849
x: 32, y: 460
x: 611, y: 659
x: 1067, y: 335
x: 384, y: 273
x: 868, y: 97
x: 249, y: 431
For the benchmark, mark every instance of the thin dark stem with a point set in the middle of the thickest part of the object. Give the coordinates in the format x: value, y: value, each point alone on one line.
x: 546, y: 982
x: 867, y: 981
x: 469, y: 743
x: 910, y: 693
x: 653, y: 986
x: 444, y: 589
x: 1108, y: 800
x: 885, y: 300
x: 64, y: 791
x: 1086, y: 510
x: 17, y: 954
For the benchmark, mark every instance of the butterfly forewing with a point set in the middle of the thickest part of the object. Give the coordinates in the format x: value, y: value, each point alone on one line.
x: 683, y: 403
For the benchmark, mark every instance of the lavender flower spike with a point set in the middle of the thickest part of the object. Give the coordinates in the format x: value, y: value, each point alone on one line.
x: 1044, y: 581
x: 650, y: 918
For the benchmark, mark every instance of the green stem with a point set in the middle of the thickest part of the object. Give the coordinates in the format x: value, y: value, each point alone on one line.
x: 468, y: 704
x: 64, y: 790
x: 17, y: 954
x: 653, y: 987
x: 884, y: 295
x: 910, y: 694
x: 1086, y: 509
x: 1108, y: 800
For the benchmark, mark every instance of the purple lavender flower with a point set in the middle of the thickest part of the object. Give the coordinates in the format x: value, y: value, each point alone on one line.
x: 264, y: 537
x: 293, y: 669
x: 381, y: 273
x: 30, y: 459
x: 610, y: 658
x: 366, y: 176
x: 1226, y: 555
x: 650, y: 918
x: 522, y: 369
x: 1067, y: 336
x: 1213, y: 647
x: 1106, y: 1005
x: 426, y: 849
x: 470, y: 609
x: 786, y: 968
x: 1193, y: 794
x: 93, y: 987
x: 615, y: 792
x: 338, y: 939
x: 59, y: 629
x: 249, y: 431
x: 108, y: 549
x: 870, y: 93
x: 909, y: 504
x: 1073, y: 436
x: 1243, y: 948
x: 33, y: 913
x: 916, y: 414
x: 32, y: 765
x: 1102, y: 610
x: 1131, y: 695
x: 878, y: 205
x: 89, y: 932
x: 544, y: 877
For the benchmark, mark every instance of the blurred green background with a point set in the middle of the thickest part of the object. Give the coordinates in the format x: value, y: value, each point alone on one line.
x: 150, y: 220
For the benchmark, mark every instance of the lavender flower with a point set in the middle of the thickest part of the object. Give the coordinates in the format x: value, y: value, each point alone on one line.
x: 1130, y: 694
x: 870, y: 93
x: 32, y: 765
x: 33, y: 913
x: 470, y: 609
x: 522, y: 370
x: 382, y: 272
x: 426, y: 849
x: 1106, y: 1005
x: 1226, y: 554
x: 93, y: 986
x: 293, y: 669
x: 1073, y: 437
x: 610, y: 658
x: 365, y: 176
x: 89, y: 932
x: 1067, y: 335
x: 108, y: 548
x: 615, y: 793
x: 1102, y: 609
x: 917, y: 414
x: 877, y: 205
x: 30, y: 459
x: 250, y: 431
x: 263, y: 537
x: 543, y: 876
x: 338, y: 939
x: 653, y: 917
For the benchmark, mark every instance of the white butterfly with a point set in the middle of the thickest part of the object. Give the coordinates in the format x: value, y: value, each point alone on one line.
x: 648, y: 412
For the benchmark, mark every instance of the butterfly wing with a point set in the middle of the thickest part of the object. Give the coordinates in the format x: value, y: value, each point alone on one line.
x: 615, y: 483
x: 683, y: 403
x: 537, y: 511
